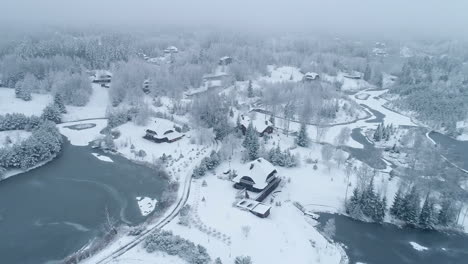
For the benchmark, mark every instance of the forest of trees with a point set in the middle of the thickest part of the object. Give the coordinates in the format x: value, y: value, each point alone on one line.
x: 43, y: 144
x: 435, y: 88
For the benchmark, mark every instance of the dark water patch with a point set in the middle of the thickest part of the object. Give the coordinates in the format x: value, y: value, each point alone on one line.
x: 52, y: 211
x: 373, y: 243
x: 455, y: 150
x: 369, y: 154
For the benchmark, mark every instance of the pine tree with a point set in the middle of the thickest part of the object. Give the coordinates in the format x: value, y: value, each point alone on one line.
x: 445, y: 216
x: 251, y: 142
x: 250, y: 92
x: 52, y: 113
x: 302, y: 137
x: 426, y: 218
x: 367, y: 73
x: 411, y: 207
x: 58, y: 102
x: 396, y: 209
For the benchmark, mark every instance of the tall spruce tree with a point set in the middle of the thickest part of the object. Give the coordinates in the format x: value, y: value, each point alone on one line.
x: 302, y: 137
x: 367, y: 73
x: 396, y: 209
x: 250, y: 92
x: 445, y: 216
x: 251, y: 142
x: 58, y: 102
x: 411, y: 207
x: 426, y: 218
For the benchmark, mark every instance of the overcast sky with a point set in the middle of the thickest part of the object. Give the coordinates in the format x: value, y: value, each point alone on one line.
x: 428, y: 17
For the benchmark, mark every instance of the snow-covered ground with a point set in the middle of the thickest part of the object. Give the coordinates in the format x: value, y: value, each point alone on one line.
x: 146, y: 205
x: 282, y: 74
x: 95, y: 108
x: 11, y: 137
x: 10, y: 104
x: 462, y: 126
x: 82, y: 137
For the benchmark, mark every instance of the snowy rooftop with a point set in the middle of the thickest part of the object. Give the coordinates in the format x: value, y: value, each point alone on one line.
x: 258, y: 170
x: 165, y: 128
x: 311, y: 75
x: 261, y: 208
x: 259, y: 124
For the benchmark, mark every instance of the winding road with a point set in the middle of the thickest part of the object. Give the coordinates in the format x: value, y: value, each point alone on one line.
x: 181, y: 201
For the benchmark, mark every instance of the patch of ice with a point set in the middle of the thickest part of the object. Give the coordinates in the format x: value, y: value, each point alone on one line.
x: 146, y: 205
x: 102, y: 157
x: 418, y: 247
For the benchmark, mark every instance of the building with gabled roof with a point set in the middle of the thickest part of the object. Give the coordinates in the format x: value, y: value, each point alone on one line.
x: 256, y: 175
x: 261, y: 126
x: 164, y: 131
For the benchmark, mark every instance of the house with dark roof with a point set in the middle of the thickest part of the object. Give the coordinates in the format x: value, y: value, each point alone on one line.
x: 256, y: 176
x: 261, y: 126
x: 311, y: 76
x: 164, y: 131
x: 226, y: 60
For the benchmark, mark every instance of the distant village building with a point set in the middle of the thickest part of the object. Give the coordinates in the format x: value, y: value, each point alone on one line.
x: 165, y: 131
x: 261, y: 126
x: 311, y: 76
x: 256, y: 176
x: 226, y: 60
x: 171, y: 49
x: 353, y: 75
x: 215, y: 80
x: 102, y: 77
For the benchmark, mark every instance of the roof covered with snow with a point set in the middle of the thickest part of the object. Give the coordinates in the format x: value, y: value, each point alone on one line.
x: 259, y: 124
x: 164, y: 129
x: 258, y: 170
x: 311, y: 75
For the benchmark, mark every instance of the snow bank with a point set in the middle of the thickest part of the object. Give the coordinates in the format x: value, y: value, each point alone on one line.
x: 82, y: 137
x: 146, y: 205
x: 102, y: 157
x: 10, y: 104
x: 418, y: 247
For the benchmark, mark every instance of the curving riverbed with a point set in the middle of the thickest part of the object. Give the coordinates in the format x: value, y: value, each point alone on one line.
x: 54, y: 210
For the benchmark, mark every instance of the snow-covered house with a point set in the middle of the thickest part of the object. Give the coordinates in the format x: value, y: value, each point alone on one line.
x: 256, y: 175
x: 215, y: 80
x: 257, y: 208
x: 226, y: 60
x: 355, y: 75
x: 163, y: 132
x: 261, y: 126
x: 102, y: 77
x: 171, y: 49
x: 311, y: 76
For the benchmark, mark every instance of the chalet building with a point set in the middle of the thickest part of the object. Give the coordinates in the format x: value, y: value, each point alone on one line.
x: 215, y: 80
x: 256, y: 176
x: 226, y: 60
x: 171, y: 49
x: 257, y: 208
x: 353, y: 75
x: 311, y: 76
x: 164, y: 132
x: 102, y: 77
x: 261, y: 126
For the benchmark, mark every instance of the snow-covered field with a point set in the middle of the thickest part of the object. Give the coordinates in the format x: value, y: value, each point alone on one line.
x: 10, y: 104
x: 82, y: 137
x: 282, y: 74
x: 418, y: 247
x: 95, y: 108
x: 11, y: 137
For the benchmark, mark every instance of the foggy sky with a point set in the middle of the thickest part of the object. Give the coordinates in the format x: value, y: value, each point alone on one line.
x: 427, y: 17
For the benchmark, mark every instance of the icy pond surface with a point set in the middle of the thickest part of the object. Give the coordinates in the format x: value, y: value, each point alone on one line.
x: 388, y: 244
x: 54, y: 210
